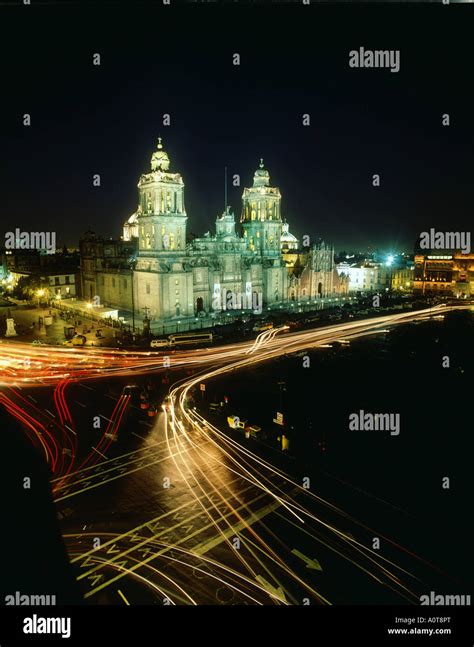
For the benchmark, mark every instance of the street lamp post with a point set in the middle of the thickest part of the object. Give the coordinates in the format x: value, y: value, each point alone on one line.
x: 133, y: 298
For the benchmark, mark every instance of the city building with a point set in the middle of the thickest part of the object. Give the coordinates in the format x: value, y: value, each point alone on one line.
x: 362, y: 278
x: 444, y: 274
x: 394, y: 273
x: 157, y: 272
x: 57, y: 275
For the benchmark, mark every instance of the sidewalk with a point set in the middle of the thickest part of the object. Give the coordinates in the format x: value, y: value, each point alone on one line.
x: 25, y: 317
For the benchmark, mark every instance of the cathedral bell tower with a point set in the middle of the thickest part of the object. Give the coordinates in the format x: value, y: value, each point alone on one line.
x: 161, y: 214
x: 261, y: 217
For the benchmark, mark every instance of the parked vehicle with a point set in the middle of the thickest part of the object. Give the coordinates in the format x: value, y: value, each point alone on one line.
x: 159, y: 343
x: 252, y: 431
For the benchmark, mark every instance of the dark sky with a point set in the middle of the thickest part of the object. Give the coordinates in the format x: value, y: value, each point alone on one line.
x: 294, y: 60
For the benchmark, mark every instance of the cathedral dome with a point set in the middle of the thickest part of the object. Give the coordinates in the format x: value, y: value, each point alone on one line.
x: 261, y: 176
x: 160, y: 160
x: 287, y: 240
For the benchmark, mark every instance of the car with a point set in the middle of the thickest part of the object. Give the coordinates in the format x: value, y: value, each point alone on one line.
x: 159, y: 343
x: 252, y: 431
x: 78, y: 340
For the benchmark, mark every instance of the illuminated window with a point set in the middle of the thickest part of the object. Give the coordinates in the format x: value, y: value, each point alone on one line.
x: 163, y: 230
x: 176, y: 282
x: 171, y: 241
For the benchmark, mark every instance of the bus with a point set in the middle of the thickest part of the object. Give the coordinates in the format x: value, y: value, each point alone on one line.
x: 181, y: 339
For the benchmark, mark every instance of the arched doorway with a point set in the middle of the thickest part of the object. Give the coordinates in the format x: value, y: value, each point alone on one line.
x: 320, y: 289
x: 199, y: 304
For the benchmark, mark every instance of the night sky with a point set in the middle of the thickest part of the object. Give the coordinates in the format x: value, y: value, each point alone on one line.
x: 294, y: 60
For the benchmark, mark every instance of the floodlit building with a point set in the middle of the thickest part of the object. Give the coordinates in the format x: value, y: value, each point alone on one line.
x: 155, y: 270
x: 362, y: 278
x: 444, y: 274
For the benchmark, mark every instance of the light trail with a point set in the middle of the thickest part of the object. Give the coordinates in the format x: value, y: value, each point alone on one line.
x: 197, y: 447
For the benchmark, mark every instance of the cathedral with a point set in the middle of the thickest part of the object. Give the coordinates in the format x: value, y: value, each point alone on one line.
x: 154, y: 269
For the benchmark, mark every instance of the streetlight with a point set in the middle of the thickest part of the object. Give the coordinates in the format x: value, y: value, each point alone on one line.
x: 132, y: 267
x: 39, y: 294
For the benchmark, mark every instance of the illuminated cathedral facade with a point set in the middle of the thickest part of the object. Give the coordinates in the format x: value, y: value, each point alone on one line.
x: 155, y: 270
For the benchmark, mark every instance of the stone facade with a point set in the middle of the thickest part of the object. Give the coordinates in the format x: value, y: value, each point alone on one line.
x: 173, y: 279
